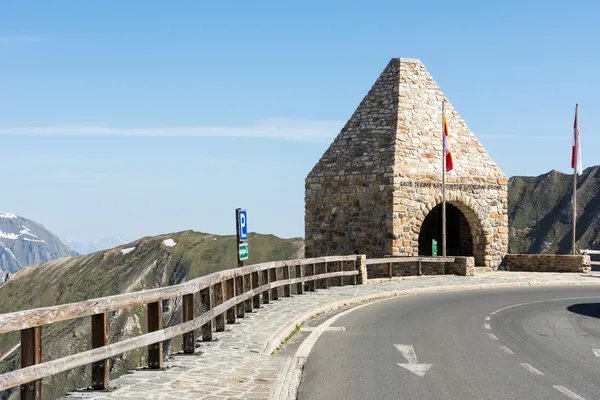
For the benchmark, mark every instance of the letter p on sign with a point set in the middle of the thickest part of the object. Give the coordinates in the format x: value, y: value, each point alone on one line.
x: 243, y: 221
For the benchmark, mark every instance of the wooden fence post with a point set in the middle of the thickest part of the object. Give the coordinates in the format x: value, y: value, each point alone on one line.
x: 274, y: 291
x: 266, y: 295
x: 390, y: 270
x: 255, y: 284
x: 354, y: 277
x: 239, y: 289
x: 219, y: 319
x: 299, y: 274
x: 312, y: 284
x: 206, y: 306
x: 31, y: 354
x: 247, y: 288
x: 287, y: 289
x: 326, y: 282
x: 155, y: 350
x: 189, y: 313
x: 230, y: 294
x: 100, y: 369
x: 341, y: 269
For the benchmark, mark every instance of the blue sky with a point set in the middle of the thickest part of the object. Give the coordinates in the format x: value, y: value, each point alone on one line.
x: 267, y: 85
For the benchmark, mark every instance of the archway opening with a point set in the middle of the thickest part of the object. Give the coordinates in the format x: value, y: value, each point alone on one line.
x: 459, y: 237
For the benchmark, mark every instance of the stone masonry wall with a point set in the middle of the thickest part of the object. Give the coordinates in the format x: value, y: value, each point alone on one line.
x: 372, y: 189
x: 545, y: 263
x: 461, y: 266
x: 478, y: 188
x: 348, y: 199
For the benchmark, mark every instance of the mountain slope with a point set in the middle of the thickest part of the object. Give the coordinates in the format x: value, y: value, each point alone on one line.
x: 25, y: 242
x: 146, y: 263
x: 540, y: 212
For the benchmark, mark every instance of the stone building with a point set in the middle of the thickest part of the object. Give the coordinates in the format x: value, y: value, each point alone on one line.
x: 377, y: 190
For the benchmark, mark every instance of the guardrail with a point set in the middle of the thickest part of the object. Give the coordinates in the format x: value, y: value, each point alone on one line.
x: 590, y: 252
x: 235, y: 292
x: 393, y: 260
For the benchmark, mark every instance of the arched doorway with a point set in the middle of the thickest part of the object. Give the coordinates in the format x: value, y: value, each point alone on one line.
x: 459, y: 234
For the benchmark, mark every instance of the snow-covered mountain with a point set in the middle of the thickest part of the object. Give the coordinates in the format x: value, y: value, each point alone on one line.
x: 25, y: 242
x: 97, y: 245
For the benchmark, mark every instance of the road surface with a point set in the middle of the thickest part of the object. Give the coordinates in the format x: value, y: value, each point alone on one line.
x: 541, y: 343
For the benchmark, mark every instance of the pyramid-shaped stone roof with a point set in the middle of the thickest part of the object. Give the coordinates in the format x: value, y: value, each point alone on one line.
x: 396, y: 131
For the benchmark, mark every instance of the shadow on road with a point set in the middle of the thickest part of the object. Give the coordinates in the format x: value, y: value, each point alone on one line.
x: 587, y: 309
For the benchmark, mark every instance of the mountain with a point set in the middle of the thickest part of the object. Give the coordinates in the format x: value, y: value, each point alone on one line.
x: 147, y: 263
x: 540, y: 212
x: 97, y: 245
x: 25, y: 242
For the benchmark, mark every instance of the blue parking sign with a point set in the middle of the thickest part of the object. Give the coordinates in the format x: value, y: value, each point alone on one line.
x: 243, y: 224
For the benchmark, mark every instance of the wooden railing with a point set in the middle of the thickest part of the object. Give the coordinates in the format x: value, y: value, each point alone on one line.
x: 235, y: 292
x: 390, y: 261
x: 591, y: 252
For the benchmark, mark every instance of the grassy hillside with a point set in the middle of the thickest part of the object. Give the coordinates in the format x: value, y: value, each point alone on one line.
x: 150, y: 265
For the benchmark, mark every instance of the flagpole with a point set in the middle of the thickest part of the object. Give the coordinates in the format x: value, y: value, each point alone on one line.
x: 576, y: 161
x: 443, y: 184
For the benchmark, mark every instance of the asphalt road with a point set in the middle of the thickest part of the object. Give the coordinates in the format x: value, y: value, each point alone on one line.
x: 493, y: 344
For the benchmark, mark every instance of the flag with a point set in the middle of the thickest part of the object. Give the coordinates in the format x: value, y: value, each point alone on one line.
x: 449, y: 164
x: 576, y: 149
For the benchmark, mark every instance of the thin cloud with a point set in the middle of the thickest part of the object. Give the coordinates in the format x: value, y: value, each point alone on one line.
x: 19, y: 39
x: 285, y: 129
x: 533, y: 137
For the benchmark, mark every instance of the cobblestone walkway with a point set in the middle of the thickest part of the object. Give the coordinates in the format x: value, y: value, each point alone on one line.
x: 235, y: 366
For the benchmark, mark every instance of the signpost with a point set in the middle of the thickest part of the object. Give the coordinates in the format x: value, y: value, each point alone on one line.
x: 241, y: 227
x: 243, y: 251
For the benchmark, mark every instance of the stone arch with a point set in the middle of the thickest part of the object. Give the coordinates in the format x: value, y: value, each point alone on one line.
x: 478, y: 223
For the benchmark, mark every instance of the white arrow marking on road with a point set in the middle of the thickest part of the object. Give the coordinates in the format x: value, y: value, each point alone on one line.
x: 596, y: 352
x: 409, y: 353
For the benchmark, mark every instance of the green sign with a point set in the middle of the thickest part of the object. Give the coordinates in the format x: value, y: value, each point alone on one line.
x: 243, y: 251
x: 434, y: 247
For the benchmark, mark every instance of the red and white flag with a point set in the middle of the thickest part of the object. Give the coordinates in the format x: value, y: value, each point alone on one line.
x: 448, y: 155
x: 576, y: 149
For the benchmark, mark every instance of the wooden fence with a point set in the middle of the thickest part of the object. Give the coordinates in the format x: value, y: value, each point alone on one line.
x: 235, y: 292
x: 390, y: 261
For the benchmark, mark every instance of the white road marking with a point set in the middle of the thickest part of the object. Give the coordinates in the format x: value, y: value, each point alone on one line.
x: 596, y: 352
x: 310, y: 341
x: 568, y: 393
x: 530, y: 369
x: 487, y: 326
x: 329, y: 329
x: 541, y: 301
x: 492, y: 336
x: 417, y: 369
x: 488, y: 318
x: 506, y: 350
x: 409, y: 353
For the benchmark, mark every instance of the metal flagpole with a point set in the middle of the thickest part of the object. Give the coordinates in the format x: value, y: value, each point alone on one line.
x: 443, y: 183
x: 575, y: 163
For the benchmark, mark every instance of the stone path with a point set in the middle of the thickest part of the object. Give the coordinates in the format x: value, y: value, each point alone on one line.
x: 238, y: 364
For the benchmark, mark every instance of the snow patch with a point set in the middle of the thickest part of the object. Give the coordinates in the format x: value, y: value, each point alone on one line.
x: 34, y: 240
x: 26, y: 231
x: 9, y: 235
x: 127, y: 250
x: 11, y: 253
x: 8, y: 216
x: 169, y: 242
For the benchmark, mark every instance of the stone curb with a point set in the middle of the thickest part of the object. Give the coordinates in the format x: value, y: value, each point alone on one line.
x: 284, y: 332
x: 288, y: 381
